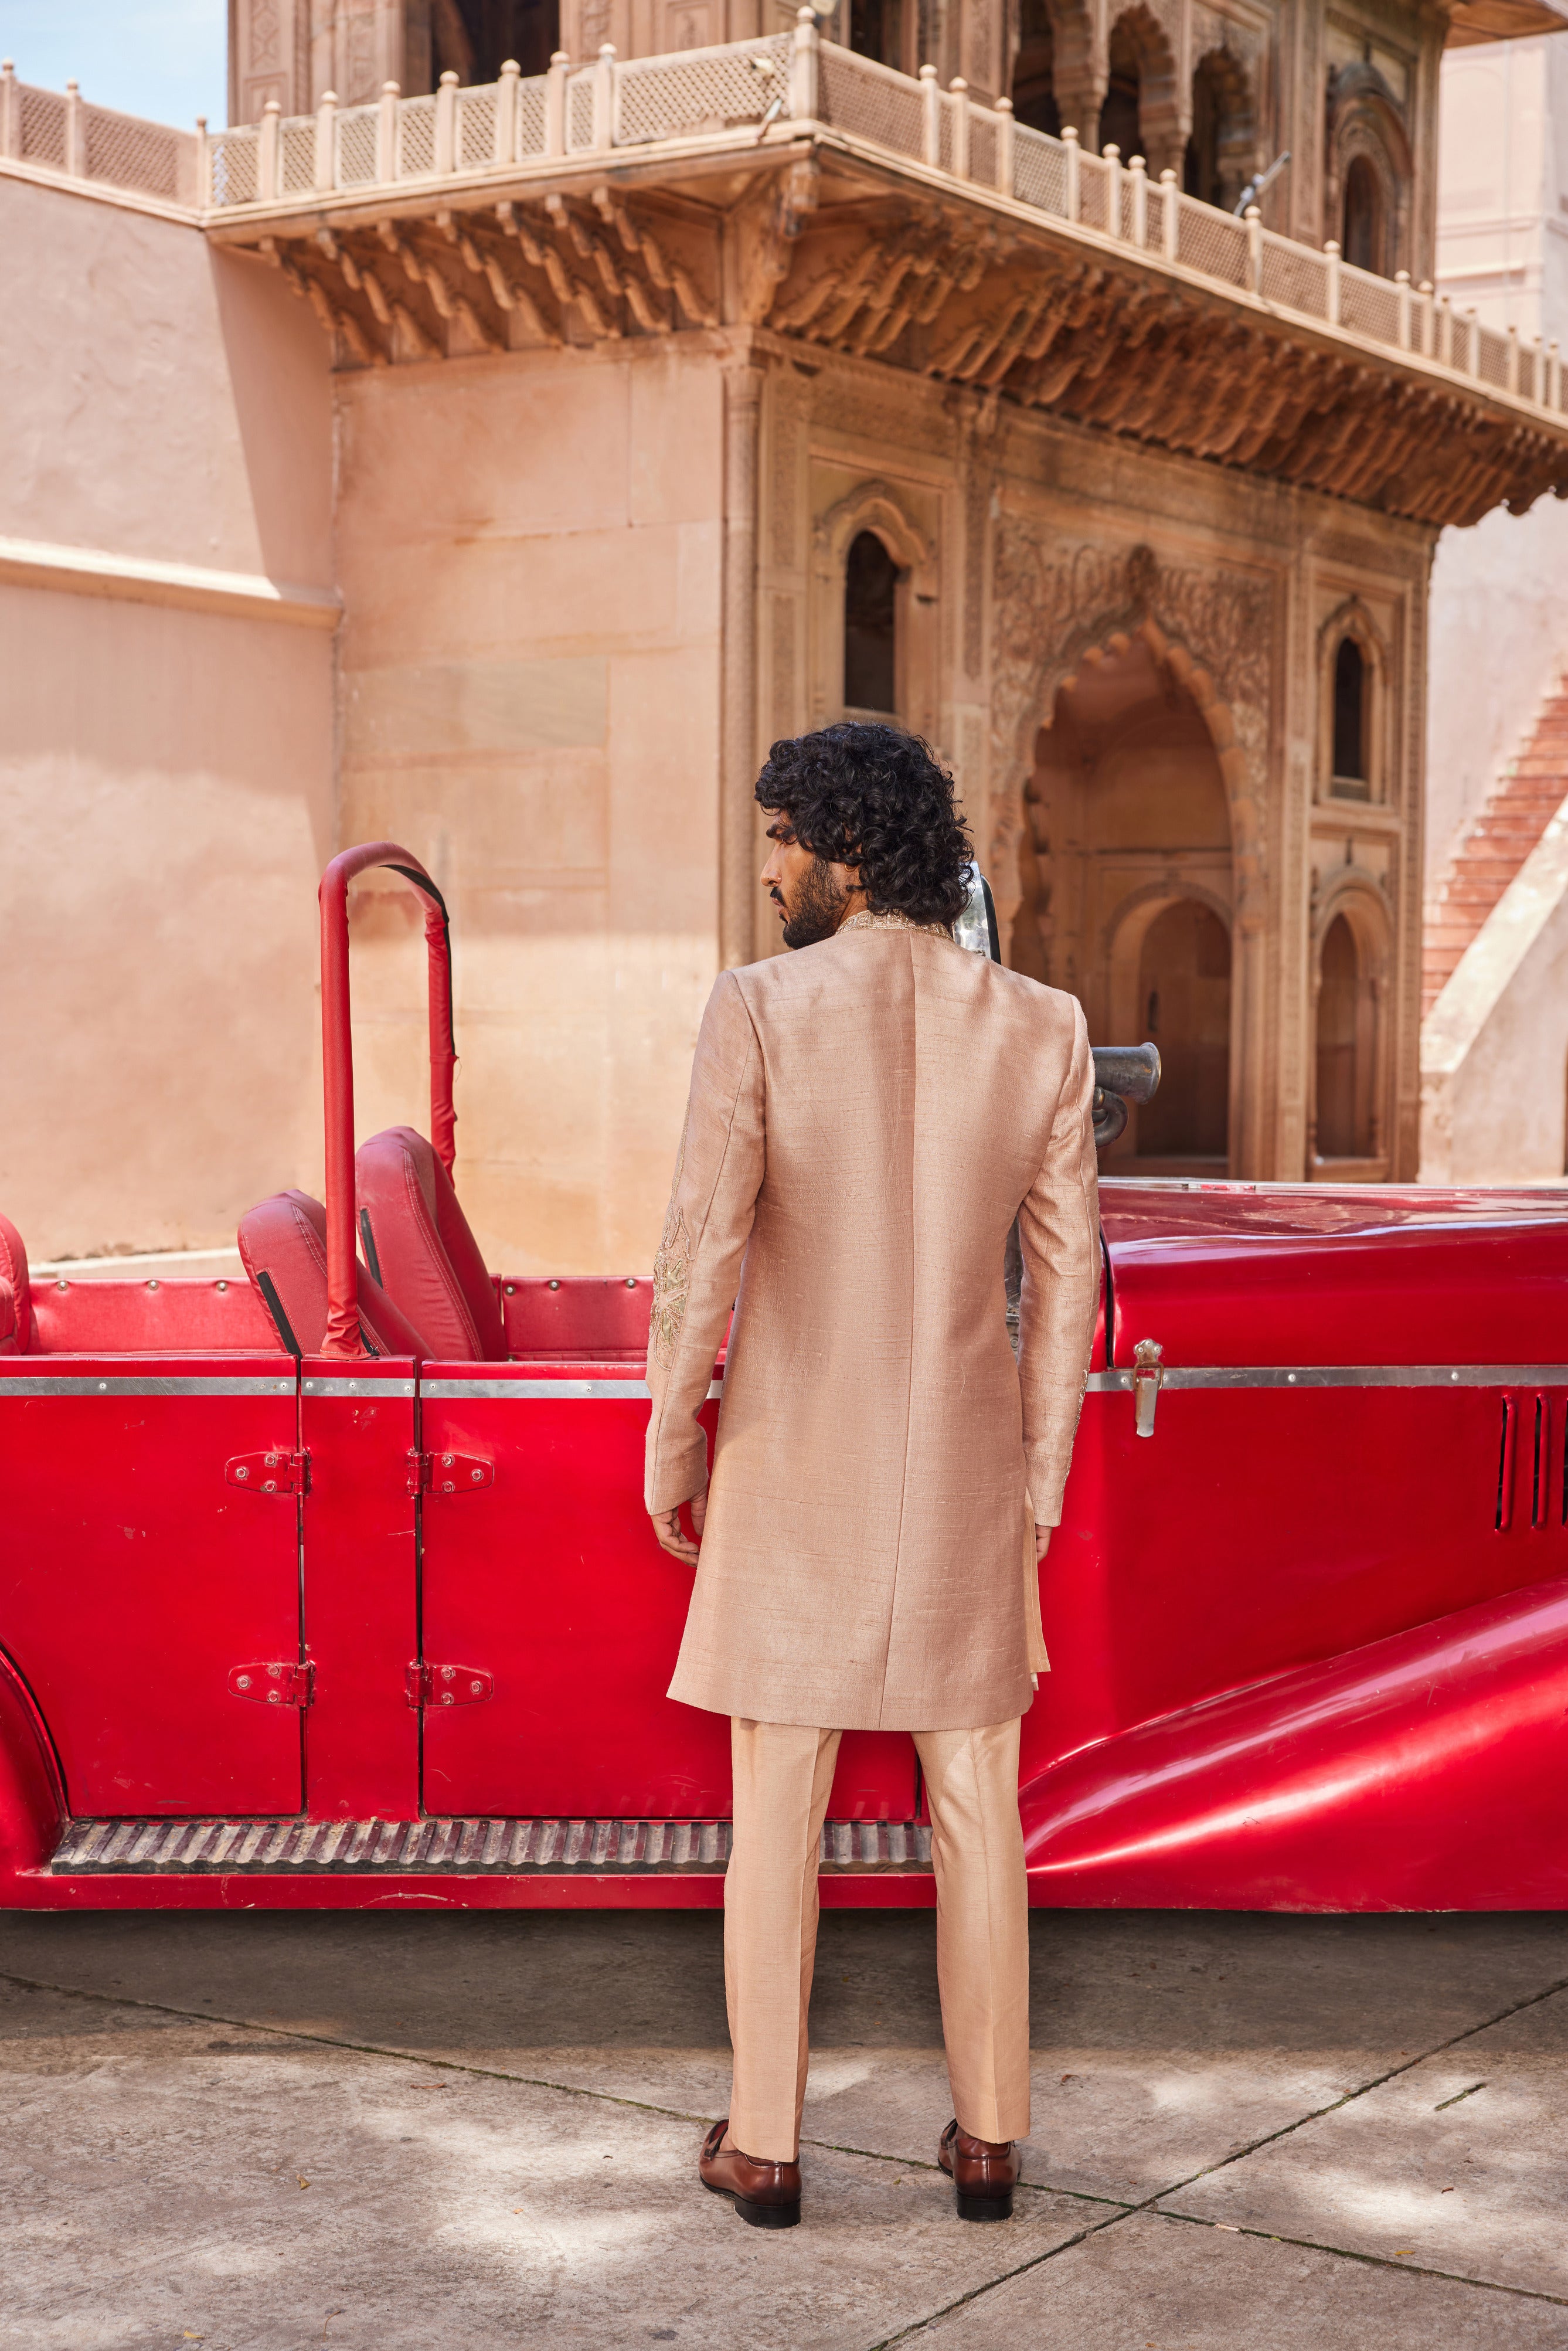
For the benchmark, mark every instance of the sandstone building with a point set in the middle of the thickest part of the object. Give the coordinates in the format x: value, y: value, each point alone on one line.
x: 633, y: 385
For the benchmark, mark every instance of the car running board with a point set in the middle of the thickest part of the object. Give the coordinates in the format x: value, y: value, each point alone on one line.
x: 490, y: 1848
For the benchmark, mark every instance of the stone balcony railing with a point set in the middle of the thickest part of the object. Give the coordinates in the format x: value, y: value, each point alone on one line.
x: 516, y: 129
x: 59, y: 131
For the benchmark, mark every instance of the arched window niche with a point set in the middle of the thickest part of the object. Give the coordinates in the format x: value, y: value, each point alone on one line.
x: 1370, y: 170
x: 874, y: 610
x: 1353, y: 711
x: 872, y: 599
x: 1362, y: 224
x: 1219, y: 157
x: 1035, y: 100
x: 878, y: 28
x: 1120, y: 113
x: 1346, y: 1130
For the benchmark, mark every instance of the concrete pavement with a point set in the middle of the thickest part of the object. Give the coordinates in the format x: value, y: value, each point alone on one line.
x: 384, y: 2133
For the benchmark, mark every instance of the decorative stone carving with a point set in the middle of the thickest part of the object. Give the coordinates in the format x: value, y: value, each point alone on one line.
x: 1051, y: 605
x: 266, y: 36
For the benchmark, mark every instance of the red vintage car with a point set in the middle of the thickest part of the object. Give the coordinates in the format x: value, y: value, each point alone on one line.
x: 334, y: 1587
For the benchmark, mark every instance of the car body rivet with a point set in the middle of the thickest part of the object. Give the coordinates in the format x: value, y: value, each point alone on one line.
x: 511, y: 1289
x: 153, y: 1285
x: 62, y: 1285
x: 554, y: 1285
x: 223, y: 1285
x: 630, y: 1281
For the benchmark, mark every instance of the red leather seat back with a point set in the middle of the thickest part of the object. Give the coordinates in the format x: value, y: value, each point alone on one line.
x: 417, y: 1239
x: 13, y: 1270
x: 283, y: 1245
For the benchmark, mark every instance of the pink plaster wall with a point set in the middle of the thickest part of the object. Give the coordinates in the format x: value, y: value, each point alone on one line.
x: 165, y: 774
x: 530, y: 551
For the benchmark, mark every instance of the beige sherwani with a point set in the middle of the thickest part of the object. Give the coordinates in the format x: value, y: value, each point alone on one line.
x: 867, y: 1117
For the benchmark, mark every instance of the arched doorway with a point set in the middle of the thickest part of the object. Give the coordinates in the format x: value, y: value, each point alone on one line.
x: 1362, y: 236
x: 1184, y: 988
x: 1219, y: 147
x: 1347, y: 1132
x: 1339, y: 1134
x: 870, y: 629
x: 1034, y: 71
x: 1120, y: 125
x: 1127, y: 877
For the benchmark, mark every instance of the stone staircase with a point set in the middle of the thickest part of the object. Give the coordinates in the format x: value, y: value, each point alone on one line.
x: 1494, y: 845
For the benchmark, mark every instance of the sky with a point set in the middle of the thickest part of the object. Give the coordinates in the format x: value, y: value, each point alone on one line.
x: 162, y: 58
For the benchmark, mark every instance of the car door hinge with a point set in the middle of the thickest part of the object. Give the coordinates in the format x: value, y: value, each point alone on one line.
x: 430, y: 1685
x: 449, y: 1473
x: 269, y: 1473
x: 274, y: 1685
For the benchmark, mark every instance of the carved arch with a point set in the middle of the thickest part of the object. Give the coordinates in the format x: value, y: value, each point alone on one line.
x: 875, y: 506
x: 1165, y: 109
x: 1352, y: 618
x: 1080, y: 67
x: 1222, y: 147
x: 1243, y: 789
x: 1353, y: 895
x: 1364, y: 124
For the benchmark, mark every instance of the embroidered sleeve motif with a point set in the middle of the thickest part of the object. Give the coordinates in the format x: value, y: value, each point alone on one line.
x: 672, y: 1275
x: 672, y: 1287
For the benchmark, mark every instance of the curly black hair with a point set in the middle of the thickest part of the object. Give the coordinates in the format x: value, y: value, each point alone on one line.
x: 873, y: 798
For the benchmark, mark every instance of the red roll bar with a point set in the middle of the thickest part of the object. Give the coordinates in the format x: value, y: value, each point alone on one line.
x: 338, y: 1067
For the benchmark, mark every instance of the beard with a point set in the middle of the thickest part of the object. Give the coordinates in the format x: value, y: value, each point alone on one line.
x: 818, y: 909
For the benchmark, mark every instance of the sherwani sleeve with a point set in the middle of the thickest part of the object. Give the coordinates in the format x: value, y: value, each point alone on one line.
x: 697, y: 1269
x: 1059, y: 1234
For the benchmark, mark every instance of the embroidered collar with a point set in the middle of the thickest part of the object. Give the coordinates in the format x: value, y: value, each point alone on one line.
x: 867, y: 922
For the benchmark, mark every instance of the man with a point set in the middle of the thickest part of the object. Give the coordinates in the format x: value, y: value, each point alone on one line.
x: 868, y: 1115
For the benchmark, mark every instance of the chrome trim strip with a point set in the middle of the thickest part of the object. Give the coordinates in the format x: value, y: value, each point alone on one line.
x: 73, y: 1384
x: 561, y: 1391
x: 348, y: 1387
x: 1339, y: 1376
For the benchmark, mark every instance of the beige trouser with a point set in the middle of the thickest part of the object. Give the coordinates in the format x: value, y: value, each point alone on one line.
x: 782, y: 1776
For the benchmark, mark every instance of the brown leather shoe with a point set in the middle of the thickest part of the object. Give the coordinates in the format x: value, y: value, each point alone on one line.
x: 766, y: 2194
x: 984, y: 2171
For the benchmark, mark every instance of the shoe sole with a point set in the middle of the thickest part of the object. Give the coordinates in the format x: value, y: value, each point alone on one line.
x: 984, y: 2208
x: 761, y: 2216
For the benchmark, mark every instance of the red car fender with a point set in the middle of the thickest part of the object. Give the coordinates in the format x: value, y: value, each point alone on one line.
x: 1421, y: 1772
x: 32, y: 1791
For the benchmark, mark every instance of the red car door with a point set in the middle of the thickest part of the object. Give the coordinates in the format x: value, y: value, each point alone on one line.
x: 150, y: 1577
x: 540, y: 1575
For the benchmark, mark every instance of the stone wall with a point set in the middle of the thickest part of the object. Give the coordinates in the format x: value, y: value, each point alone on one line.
x: 166, y: 727
x: 530, y: 552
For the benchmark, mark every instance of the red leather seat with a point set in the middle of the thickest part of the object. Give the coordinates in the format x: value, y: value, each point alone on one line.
x: 283, y: 1245
x: 417, y: 1242
x: 13, y: 1274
